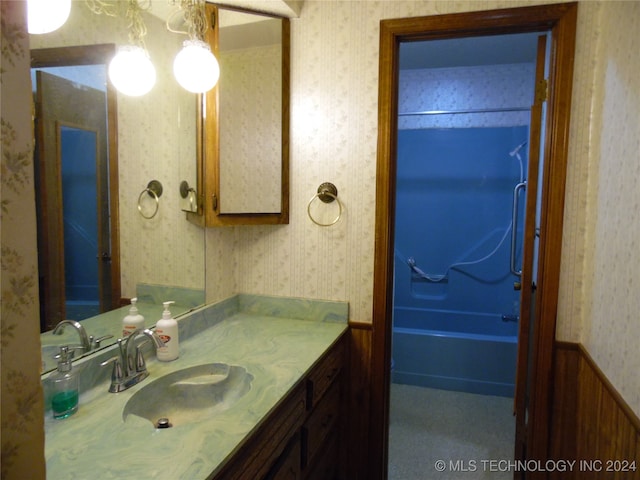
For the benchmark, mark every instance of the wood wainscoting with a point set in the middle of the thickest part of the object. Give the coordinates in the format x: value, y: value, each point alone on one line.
x: 358, y: 425
x: 591, y: 423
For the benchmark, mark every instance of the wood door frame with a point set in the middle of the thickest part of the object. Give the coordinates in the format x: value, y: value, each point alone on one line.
x: 560, y: 19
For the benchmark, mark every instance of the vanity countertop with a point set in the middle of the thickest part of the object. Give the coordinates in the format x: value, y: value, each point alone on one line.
x: 97, y: 443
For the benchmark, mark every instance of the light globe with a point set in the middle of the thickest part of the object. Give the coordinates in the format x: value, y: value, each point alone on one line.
x: 44, y: 16
x: 195, y: 67
x: 131, y: 71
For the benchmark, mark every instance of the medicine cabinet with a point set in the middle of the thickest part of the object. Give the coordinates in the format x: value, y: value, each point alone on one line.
x: 243, y: 122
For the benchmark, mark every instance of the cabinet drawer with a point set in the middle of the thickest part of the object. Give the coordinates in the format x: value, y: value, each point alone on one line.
x: 323, y: 375
x: 325, y: 466
x: 321, y: 424
x: 288, y: 466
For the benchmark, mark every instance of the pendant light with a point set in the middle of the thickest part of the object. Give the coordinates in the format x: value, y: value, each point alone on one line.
x: 195, y: 67
x: 45, y: 16
x: 131, y: 70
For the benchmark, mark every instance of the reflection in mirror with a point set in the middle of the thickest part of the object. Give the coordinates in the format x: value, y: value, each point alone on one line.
x: 160, y: 258
x: 76, y: 174
x: 250, y: 96
x: 246, y: 126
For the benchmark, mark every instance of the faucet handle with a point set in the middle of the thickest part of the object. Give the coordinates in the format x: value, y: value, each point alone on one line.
x: 95, y: 342
x: 117, y: 374
x: 141, y: 365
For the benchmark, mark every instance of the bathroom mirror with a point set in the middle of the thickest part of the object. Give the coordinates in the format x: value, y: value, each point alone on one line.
x: 244, y: 122
x: 161, y: 258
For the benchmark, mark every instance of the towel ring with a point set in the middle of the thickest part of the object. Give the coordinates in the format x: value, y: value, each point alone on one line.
x: 187, y: 191
x: 327, y: 193
x: 154, y: 189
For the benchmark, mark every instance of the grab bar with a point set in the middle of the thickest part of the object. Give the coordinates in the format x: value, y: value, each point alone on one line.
x: 514, y: 227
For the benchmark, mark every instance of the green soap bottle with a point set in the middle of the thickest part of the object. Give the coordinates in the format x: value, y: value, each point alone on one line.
x: 64, y: 398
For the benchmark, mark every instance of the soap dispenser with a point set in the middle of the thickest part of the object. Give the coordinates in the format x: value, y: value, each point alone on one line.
x: 64, y: 382
x: 167, y: 330
x: 133, y: 320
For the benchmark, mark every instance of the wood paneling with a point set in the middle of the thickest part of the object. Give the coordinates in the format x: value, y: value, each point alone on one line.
x: 357, y: 454
x: 591, y: 422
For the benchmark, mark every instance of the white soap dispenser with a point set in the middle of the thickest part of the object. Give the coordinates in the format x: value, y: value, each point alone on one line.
x: 133, y: 320
x: 167, y: 330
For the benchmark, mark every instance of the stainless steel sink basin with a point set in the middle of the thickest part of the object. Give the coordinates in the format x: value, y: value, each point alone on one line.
x: 189, y: 395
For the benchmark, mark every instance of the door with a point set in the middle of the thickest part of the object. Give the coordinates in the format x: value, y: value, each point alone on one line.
x: 528, y: 281
x: 74, y: 231
x: 560, y: 19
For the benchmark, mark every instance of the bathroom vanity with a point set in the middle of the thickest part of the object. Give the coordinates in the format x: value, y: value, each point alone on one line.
x: 291, y: 353
x: 300, y: 439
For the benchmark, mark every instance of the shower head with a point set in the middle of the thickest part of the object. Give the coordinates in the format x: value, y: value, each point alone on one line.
x: 517, y: 149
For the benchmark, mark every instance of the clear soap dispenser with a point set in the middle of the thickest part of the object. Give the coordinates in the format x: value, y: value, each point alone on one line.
x: 64, y: 381
x: 167, y: 330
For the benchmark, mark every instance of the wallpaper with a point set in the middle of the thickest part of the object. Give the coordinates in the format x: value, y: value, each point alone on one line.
x: 250, y: 81
x: 334, y: 94
x: 466, y: 88
x: 22, y: 403
x: 611, y: 331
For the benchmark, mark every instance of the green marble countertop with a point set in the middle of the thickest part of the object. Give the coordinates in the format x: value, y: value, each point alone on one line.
x: 276, y: 350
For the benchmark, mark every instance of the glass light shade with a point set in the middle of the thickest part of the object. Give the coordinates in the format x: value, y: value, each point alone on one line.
x: 131, y: 71
x: 195, y: 67
x: 45, y: 16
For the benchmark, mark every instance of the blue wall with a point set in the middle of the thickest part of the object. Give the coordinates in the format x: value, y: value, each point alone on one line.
x: 454, y: 204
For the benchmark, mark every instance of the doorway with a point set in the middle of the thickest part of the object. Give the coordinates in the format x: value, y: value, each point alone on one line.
x: 535, y: 366
x: 76, y: 176
x: 462, y: 165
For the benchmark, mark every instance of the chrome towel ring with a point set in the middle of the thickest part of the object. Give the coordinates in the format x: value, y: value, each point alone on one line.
x: 154, y: 190
x: 327, y: 193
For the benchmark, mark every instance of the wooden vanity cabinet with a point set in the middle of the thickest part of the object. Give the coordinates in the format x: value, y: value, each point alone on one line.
x: 301, y: 439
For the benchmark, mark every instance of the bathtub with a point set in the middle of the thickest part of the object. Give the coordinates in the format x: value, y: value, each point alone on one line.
x: 452, y: 350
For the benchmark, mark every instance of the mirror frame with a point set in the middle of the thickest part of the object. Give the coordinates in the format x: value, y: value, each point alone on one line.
x: 208, y: 141
x: 99, y: 54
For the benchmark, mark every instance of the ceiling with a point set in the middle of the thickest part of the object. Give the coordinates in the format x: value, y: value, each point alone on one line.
x: 286, y: 8
x: 471, y: 51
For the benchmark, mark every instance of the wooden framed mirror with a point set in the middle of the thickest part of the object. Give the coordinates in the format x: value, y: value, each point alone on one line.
x: 243, y: 122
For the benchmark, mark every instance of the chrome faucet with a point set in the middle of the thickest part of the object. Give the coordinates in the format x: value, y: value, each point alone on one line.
x: 84, y: 339
x: 129, y: 368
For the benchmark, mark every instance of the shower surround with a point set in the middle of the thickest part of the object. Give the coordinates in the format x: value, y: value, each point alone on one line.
x: 455, y: 308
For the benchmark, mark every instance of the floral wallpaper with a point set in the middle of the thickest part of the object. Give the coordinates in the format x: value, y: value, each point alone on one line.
x: 22, y: 402
x: 610, y: 331
x: 250, y: 79
x: 466, y: 88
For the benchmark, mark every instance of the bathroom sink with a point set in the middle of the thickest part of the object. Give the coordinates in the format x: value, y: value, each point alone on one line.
x: 190, y: 395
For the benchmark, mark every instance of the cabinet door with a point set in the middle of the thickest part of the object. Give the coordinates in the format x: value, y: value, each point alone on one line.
x: 321, y: 424
x: 243, y: 122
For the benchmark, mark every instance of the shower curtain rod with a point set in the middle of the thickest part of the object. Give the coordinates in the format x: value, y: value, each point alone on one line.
x: 455, y: 112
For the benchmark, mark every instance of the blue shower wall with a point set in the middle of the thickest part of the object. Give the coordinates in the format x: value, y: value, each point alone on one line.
x: 454, y: 204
